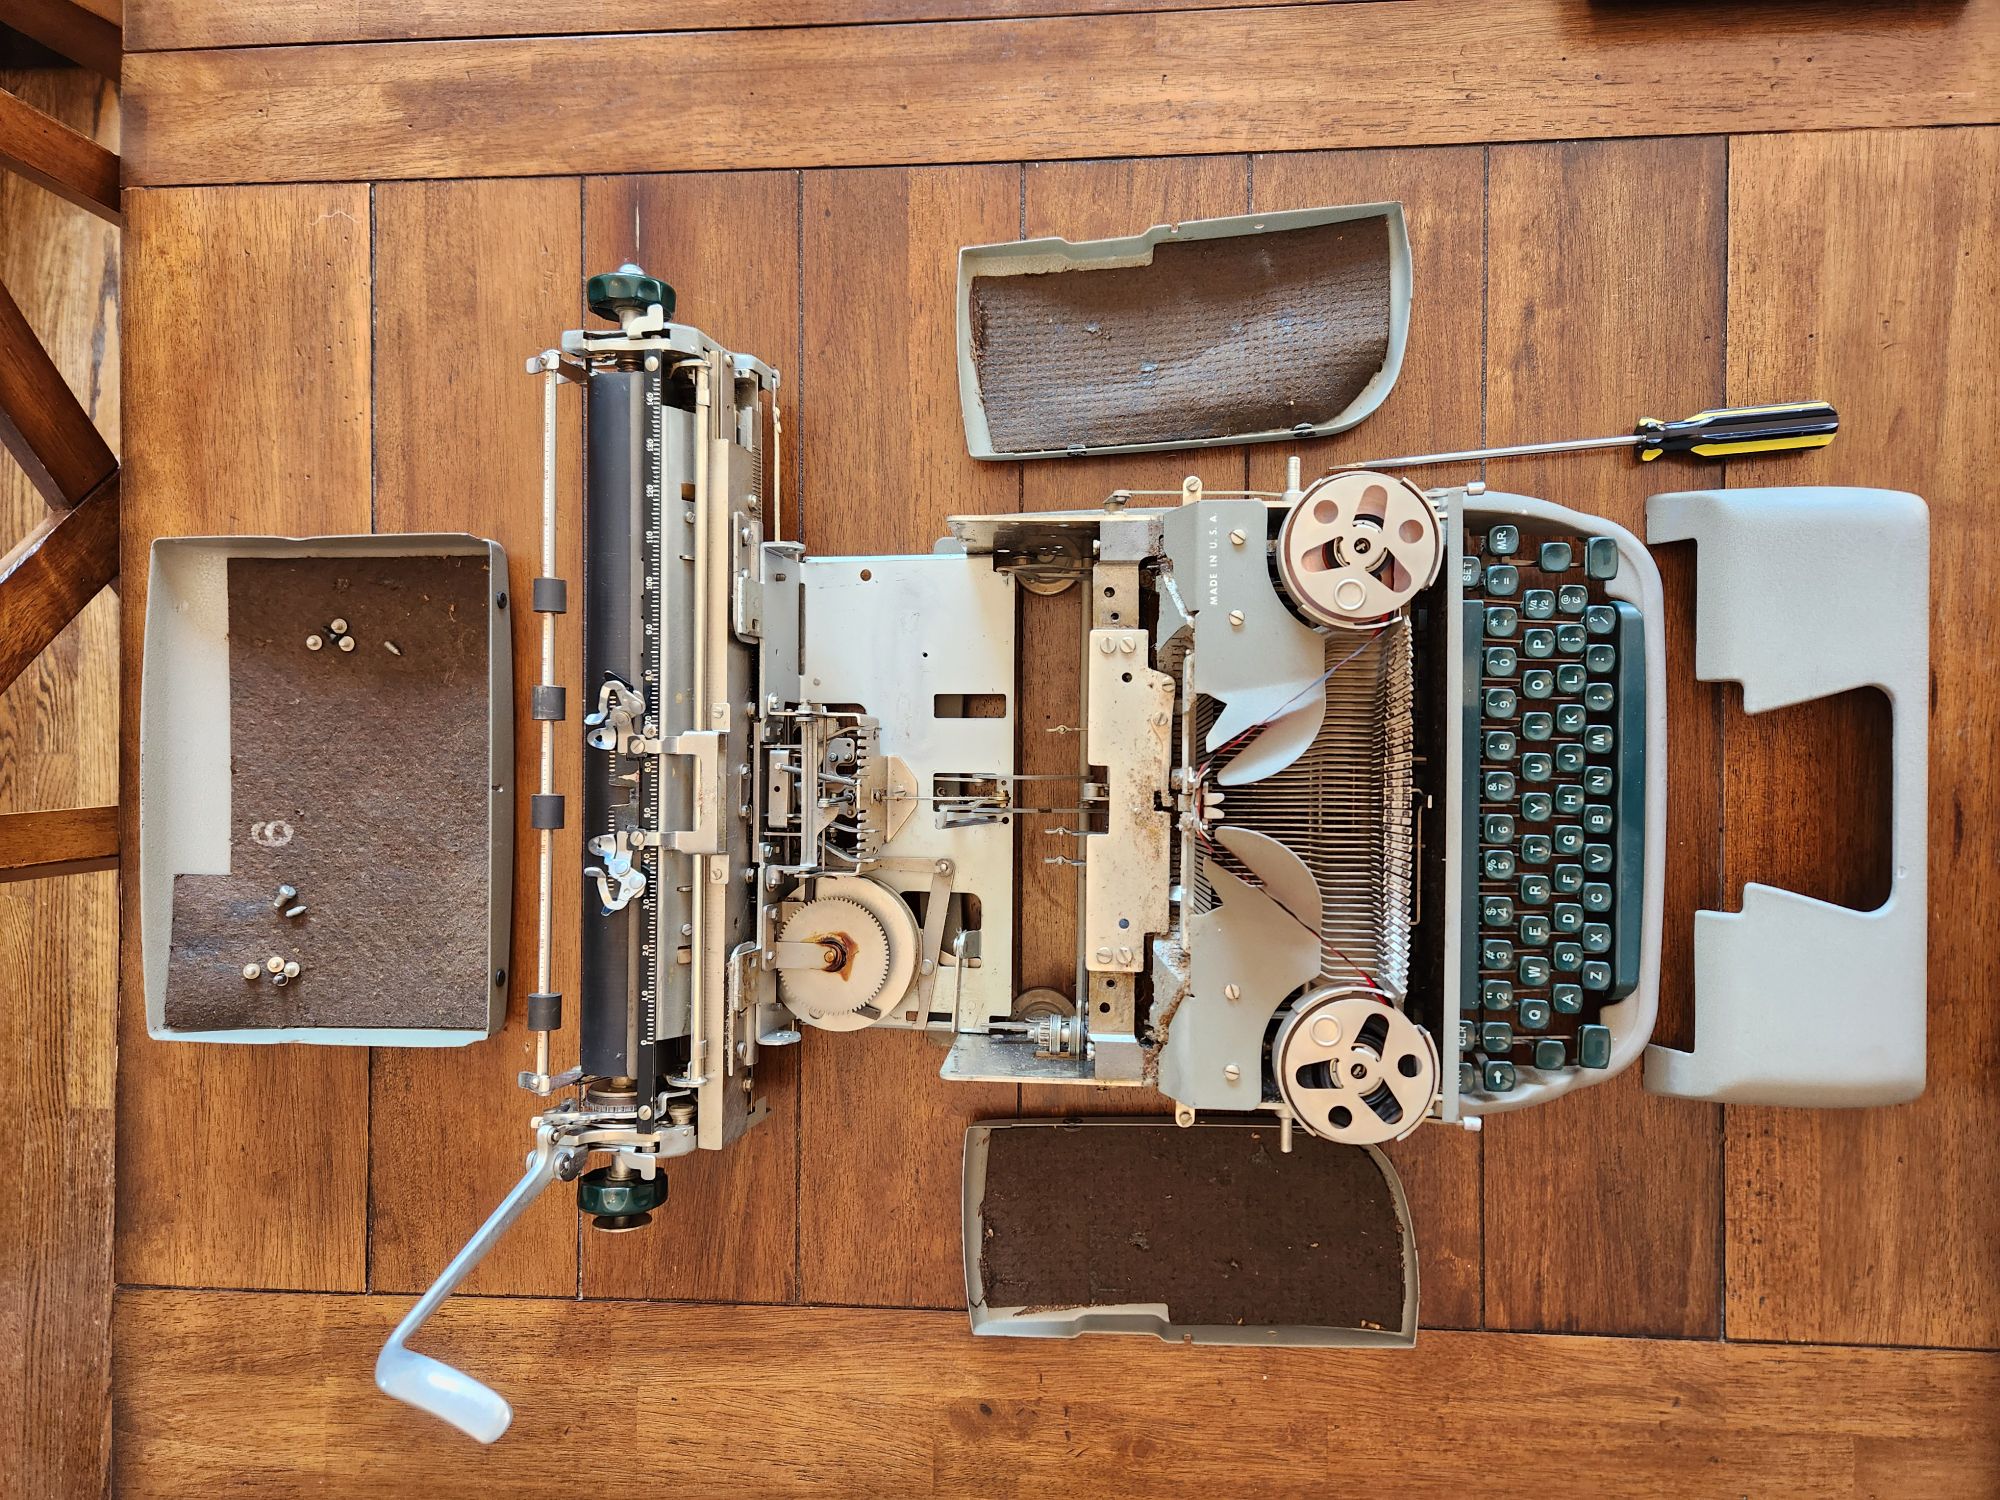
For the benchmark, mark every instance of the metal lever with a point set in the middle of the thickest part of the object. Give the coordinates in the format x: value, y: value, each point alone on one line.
x: 430, y: 1384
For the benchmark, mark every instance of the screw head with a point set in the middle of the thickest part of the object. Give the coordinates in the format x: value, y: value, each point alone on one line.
x: 1236, y: 538
x: 339, y: 627
x: 1232, y: 992
x: 1236, y: 617
x: 275, y: 964
x: 251, y: 971
x: 1232, y: 1072
x: 291, y: 970
x: 347, y: 643
x: 313, y: 643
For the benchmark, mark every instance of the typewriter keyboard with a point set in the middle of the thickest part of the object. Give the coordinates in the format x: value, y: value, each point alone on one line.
x: 1555, y: 738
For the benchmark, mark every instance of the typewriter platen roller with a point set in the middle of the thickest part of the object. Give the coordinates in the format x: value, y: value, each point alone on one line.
x: 1369, y: 803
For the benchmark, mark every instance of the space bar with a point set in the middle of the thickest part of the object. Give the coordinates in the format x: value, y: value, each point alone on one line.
x: 1629, y: 848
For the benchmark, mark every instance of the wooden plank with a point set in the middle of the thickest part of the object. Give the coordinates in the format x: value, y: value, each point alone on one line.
x: 1423, y: 73
x: 1436, y: 405
x: 728, y: 244
x: 53, y: 573
x: 80, y: 33
x: 59, y: 748
x: 161, y: 25
x: 1876, y: 1225
x: 1605, y: 300
x: 882, y: 456
x: 272, y: 1394
x: 69, y: 841
x: 41, y: 422
x: 1080, y: 201
x: 246, y: 370
x: 470, y: 279
x: 66, y: 162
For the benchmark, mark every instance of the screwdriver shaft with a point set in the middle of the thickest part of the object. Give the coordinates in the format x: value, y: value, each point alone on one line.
x: 1474, y: 455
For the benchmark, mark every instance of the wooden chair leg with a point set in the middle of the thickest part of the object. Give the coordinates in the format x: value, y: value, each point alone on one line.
x: 46, y: 580
x: 41, y: 422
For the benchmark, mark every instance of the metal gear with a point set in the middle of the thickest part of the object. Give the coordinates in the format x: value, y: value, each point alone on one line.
x: 857, y: 959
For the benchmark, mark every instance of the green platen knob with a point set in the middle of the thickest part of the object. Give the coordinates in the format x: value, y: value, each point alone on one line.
x: 627, y: 289
x: 618, y: 1200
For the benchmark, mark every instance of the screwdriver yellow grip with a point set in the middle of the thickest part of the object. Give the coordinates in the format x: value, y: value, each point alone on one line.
x: 1733, y: 431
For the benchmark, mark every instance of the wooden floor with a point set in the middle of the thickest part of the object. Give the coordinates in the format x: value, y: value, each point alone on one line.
x: 337, y: 255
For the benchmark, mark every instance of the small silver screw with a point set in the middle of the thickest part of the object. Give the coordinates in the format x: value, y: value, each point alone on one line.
x: 1236, y: 538
x: 285, y: 893
x: 292, y: 969
x: 347, y: 643
x: 1236, y: 617
x: 394, y: 649
x: 1232, y: 1072
x: 281, y: 980
x: 944, y: 867
x: 1232, y: 992
x: 275, y: 964
x: 338, y: 627
x: 251, y: 971
x: 296, y: 911
x: 313, y: 643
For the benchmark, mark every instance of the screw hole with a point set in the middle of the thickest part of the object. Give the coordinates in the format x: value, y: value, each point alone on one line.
x: 866, y: 574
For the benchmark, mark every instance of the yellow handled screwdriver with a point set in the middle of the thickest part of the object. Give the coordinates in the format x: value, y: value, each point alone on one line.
x: 1726, y: 432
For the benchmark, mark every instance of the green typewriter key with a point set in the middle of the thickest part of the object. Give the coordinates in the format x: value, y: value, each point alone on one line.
x: 1597, y: 817
x: 1567, y: 957
x: 1567, y: 998
x: 1496, y: 1036
x: 1468, y: 570
x: 1568, y: 879
x: 1536, y: 766
x: 1555, y: 557
x: 1498, y: 786
x: 1598, y: 780
x: 1600, y: 656
x: 1535, y: 849
x: 1498, y: 864
x: 1498, y: 703
x: 1569, y: 638
x: 1503, y: 580
x: 1497, y: 828
x: 1536, y: 807
x: 1533, y: 971
x: 1599, y: 697
x: 1537, y: 726
x: 1500, y: 620
x: 1569, y: 799
x: 1468, y: 1035
x: 1569, y: 678
x: 1600, y: 557
x: 1597, y: 975
x: 1534, y: 929
x: 1468, y: 1078
x: 1571, y: 598
x: 1497, y: 911
x: 1500, y: 661
x: 1498, y: 744
x: 1596, y: 896
x: 1569, y: 718
x: 1496, y: 953
x: 1504, y: 540
x: 1568, y: 840
x: 1534, y: 890
x: 1538, y: 604
x: 1533, y: 1015
x: 1549, y: 1053
x: 1539, y: 683
x: 1600, y: 619
x: 1567, y: 917
x: 1496, y: 994
x: 1596, y: 937
x: 1539, y: 642
x: 1598, y: 739
x: 1499, y: 1077
x: 1593, y: 1046
x: 1569, y: 758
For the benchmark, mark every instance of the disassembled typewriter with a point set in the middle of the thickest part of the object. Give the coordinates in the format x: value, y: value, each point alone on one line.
x: 1373, y: 796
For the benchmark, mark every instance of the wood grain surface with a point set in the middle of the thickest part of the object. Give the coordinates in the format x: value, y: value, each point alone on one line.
x: 1422, y: 73
x: 1605, y: 300
x: 64, y: 841
x: 67, y: 162
x: 59, y: 938
x: 53, y: 572
x: 159, y: 25
x: 1878, y: 1226
x: 42, y: 423
x: 797, y: 1401
x: 246, y: 377
x: 729, y: 243
x: 471, y: 278
x: 82, y: 32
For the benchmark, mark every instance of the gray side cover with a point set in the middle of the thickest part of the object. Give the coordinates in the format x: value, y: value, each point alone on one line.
x: 1802, y: 593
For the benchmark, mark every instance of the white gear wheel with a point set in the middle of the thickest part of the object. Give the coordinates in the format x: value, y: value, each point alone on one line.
x: 874, y: 938
x: 1353, y: 1069
x: 1358, y: 547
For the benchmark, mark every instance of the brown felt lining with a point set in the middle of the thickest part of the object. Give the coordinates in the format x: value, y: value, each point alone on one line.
x: 1215, y: 338
x: 376, y: 763
x: 1215, y: 1222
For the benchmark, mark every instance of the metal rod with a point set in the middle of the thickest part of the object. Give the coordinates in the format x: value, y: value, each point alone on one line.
x: 1474, y: 455
x: 544, y: 939
x: 698, y: 955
